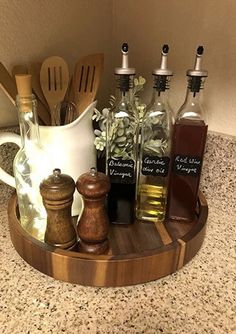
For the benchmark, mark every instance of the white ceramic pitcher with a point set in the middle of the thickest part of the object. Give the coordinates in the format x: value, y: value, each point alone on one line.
x: 70, y: 148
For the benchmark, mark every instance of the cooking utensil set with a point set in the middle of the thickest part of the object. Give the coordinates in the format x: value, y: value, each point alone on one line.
x: 61, y: 98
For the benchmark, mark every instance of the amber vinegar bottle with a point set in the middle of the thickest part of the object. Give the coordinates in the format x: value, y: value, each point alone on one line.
x: 188, y: 145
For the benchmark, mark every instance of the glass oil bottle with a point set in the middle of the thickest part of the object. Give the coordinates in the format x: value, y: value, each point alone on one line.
x: 121, y: 147
x: 31, y: 164
x: 152, y: 178
x: 189, y: 138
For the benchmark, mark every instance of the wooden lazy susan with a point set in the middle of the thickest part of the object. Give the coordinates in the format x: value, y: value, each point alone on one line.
x: 139, y: 253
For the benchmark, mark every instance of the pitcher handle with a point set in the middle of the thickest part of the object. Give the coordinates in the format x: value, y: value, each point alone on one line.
x: 8, y: 137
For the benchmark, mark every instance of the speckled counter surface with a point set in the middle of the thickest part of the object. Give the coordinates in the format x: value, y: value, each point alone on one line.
x: 200, y: 298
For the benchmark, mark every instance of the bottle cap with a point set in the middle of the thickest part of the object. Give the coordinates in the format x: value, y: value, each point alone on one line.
x: 57, y: 186
x: 23, y: 83
x: 93, y: 184
x: 197, y: 71
x: 163, y: 70
x: 125, y: 69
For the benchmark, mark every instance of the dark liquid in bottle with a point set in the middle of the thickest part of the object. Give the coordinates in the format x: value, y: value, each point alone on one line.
x: 121, y: 203
x: 189, y: 138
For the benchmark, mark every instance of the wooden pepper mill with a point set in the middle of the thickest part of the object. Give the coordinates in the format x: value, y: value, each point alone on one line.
x: 57, y: 193
x: 93, y: 225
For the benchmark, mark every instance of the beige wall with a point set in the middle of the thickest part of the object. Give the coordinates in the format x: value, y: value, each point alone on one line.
x: 33, y: 30
x: 184, y: 24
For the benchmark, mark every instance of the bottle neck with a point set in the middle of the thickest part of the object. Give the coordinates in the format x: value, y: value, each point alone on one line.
x: 193, y: 98
x: 192, y: 106
x: 158, y: 96
x: 124, y: 88
x: 124, y: 96
x: 194, y: 89
x: 27, y: 113
x: 160, y: 88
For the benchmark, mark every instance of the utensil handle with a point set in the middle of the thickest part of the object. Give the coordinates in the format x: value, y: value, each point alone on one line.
x: 8, y: 137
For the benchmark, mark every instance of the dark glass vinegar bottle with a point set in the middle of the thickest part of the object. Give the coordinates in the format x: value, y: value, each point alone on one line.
x: 155, y: 149
x: 121, y: 147
x: 189, y: 138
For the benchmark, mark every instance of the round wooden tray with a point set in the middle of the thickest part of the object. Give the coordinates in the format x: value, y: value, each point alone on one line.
x: 139, y: 253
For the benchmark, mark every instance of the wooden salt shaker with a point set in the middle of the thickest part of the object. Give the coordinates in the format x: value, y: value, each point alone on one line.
x: 93, y: 225
x: 57, y: 193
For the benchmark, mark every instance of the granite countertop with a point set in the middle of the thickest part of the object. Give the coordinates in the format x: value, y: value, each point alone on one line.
x: 199, y: 298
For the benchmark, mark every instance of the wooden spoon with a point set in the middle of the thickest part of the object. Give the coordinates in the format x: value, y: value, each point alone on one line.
x: 86, y: 80
x: 7, y: 84
x: 54, y: 79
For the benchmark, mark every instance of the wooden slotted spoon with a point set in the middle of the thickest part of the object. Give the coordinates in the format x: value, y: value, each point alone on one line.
x: 54, y: 80
x: 86, y: 80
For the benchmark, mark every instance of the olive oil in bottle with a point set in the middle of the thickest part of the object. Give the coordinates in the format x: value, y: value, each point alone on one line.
x: 152, y: 179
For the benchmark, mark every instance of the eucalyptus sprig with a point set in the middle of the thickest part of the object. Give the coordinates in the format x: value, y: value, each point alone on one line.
x: 155, y: 146
x: 101, y: 117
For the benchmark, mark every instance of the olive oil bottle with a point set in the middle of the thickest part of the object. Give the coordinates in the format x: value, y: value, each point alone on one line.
x: 155, y: 149
x: 121, y: 147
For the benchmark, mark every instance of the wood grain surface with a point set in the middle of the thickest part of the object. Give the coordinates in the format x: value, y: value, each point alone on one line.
x: 139, y: 253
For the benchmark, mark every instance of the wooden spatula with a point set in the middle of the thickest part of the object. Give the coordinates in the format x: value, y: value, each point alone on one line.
x: 86, y: 80
x: 34, y: 70
x: 7, y: 84
x: 54, y: 80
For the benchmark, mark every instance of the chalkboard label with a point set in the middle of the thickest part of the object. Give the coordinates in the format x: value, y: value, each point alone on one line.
x: 121, y: 171
x: 187, y: 165
x: 156, y: 166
